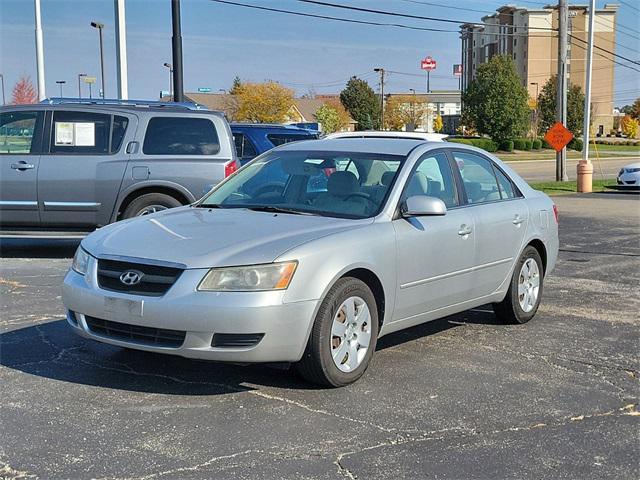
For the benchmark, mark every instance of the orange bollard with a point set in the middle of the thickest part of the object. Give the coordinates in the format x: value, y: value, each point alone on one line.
x: 585, y: 176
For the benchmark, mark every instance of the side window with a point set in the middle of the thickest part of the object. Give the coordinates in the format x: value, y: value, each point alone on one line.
x: 507, y: 189
x: 17, y: 131
x: 477, y: 175
x: 118, y: 131
x: 433, y: 177
x: 80, y: 132
x: 180, y: 136
x: 282, y: 138
x: 244, y: 147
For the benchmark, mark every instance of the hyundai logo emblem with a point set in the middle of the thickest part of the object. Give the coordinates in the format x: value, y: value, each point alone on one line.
x: 131, y: 277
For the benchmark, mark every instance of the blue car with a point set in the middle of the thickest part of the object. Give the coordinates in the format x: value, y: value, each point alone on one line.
x: 252, y: 139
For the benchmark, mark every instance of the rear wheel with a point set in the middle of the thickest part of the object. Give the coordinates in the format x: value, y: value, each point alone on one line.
x: 525, y: 291
x: 343, y: 337
x: 150, y: 203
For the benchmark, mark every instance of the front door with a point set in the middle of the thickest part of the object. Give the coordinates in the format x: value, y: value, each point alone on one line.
x: 435, y: 253
x: 20, y: 139
x: 82, y: 168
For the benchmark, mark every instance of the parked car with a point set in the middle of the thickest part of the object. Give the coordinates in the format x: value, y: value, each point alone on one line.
x: 71, y: 165
x: 252, y: 139
x: 429, y: 137
x: 403, y: 232
x: 629, y: 176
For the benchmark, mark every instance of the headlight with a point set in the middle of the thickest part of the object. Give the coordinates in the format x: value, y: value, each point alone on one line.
x: 80, y: 261
x: 272, y: 276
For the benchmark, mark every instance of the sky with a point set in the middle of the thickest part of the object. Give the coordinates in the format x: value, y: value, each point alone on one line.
x: 222, y: 41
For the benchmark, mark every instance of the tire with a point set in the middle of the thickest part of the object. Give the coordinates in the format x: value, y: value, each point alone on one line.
x: 149, y: 201
x: 522, y: 290
x: 317, y: 364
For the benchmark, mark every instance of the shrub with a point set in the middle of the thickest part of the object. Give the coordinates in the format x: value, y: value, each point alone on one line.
x: 537, y: 144
x: 528, y: 144
x: 506, y: 146
x: 518, y: 144
x: 575, y: 144
x: 484, y: 143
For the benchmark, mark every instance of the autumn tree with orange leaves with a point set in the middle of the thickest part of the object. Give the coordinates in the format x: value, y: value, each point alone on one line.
x: 24, y: 92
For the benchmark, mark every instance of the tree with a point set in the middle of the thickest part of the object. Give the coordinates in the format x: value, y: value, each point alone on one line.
x: 629, y: 126
x: 332, y: 116
x: 401, y: 110
x: 496, y: 101
x: 235, y: 86
x: 267, y: 102
x: 635, y: 109
x: 438, y: 124
x: 362, y: 104
x: 24, y: 92
x: 547, y: 107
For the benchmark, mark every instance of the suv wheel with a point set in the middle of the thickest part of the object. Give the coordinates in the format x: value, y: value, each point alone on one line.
x: 523, y: 297
x: 149, y: 203
x: 343, y: 337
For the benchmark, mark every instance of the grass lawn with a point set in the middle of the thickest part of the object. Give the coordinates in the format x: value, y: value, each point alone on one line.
x: 562, y: 188
x: 616, y: 148
x: 602, y: 150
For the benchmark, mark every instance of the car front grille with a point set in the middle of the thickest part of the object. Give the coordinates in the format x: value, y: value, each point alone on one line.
x: 155, y: 280
x: 153, y: 337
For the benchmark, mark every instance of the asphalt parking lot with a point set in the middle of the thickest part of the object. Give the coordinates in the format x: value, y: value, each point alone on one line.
x: 462, y: 397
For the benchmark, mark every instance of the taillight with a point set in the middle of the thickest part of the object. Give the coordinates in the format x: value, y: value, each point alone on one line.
x: 229, y: 168
x: 555, y: 212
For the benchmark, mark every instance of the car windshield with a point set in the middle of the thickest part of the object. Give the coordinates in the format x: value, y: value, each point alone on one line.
x: 336, y: 184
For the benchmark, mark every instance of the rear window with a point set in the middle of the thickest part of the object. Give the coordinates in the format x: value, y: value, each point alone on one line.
x: 181, y: 136
x: 282, y: 138
x: 80, y: 132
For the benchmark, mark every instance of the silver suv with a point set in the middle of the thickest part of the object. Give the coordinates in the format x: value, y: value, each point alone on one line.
x: 74, y: 167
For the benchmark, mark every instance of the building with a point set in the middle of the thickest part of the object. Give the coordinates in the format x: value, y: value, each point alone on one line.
x: 526, y: 35
x: 445, y: 103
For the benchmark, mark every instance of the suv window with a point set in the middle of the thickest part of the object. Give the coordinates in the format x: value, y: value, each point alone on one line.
x: 282, y: 138
x: 17, y: 132
x: 244, y: 147
x: 478, y: 177
x: 80, y: 132
x: 118, y: 131
x: 433, y: 177
x: 181, y: 136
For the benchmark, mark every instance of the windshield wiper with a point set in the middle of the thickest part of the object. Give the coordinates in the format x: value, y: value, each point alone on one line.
x: 211, y: 205
x: 271, y: 208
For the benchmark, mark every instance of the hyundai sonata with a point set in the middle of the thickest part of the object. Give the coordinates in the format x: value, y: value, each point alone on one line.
x: 313, y: 251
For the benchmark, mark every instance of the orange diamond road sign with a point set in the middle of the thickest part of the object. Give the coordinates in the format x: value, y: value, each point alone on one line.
x: 558, y: 136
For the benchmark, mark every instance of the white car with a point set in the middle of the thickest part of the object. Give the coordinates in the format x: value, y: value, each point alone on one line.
x: 428, y: 137
x: 629, y: 176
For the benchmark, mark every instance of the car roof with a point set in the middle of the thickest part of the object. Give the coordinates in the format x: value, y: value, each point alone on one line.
x: 269, y: 126
x: 139, y: 108
x: 432, y: 137
x: 362, y: 145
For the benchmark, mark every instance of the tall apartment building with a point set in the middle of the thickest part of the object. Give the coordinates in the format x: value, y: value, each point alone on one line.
x: 525, y: 35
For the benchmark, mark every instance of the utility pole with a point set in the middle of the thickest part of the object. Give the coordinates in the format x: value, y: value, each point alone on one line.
x: 381, y: 72
x: 168, y: 65
x: 39, y: 52
x: 121, y: 50
x: 585, y: 167
x: 178, y: 88
x: 100, y: 26
x: 2, y: 80
x: 561, y: 99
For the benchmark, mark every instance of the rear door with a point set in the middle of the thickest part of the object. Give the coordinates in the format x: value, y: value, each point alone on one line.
x: 82, y: 167
x: 500, y: 215
x: 20, y: 142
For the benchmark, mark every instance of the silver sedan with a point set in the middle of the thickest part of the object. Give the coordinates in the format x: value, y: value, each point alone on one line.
x: 313, y: 251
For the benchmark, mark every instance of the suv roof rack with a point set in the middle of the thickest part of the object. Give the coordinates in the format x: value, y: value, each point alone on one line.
x: 108, y: 102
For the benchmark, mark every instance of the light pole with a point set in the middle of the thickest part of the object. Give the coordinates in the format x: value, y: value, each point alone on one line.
x: 176, y: 49
x: 170, y: 67
x: 61, y: 83
x: 413, y: 107
x: 2, y: 80
x: 100, y: 26
x: 381, y: 72
x: 80, y: 75
x: 535, y: 112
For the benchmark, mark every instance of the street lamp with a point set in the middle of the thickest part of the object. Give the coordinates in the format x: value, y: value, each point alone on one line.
x: 381, y: 72
x: 61, y: 83
x: 100, y: 26
x: 2, y: 80
x: 535, y: 112
x: 170, y: 67
x: 80, y: 75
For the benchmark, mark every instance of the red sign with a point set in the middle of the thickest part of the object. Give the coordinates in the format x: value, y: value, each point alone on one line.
x: 428, y: 64
x: 558, y: 136
x: 457, y: 70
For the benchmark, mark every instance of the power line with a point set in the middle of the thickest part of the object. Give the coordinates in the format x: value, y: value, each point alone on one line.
x: 630, y: 6
x: 605, y: 50
x: 610, y: 59
x: 337, y: 19
x: 445, y: 6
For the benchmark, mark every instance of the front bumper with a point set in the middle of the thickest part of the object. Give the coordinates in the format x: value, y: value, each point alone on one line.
x: 631, y: 179
x: 284, y: 327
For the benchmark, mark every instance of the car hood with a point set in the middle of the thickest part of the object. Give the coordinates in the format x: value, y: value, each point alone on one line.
x: 632, y: 165
x: 202, y: 238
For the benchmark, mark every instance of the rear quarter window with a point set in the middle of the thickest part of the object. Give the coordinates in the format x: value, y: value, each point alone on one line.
x: 282, y: 138
x: 181, y: 136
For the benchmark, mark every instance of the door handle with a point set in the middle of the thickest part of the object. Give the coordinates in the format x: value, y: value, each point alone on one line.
x: 23, y: 166
x: 464, y: 230
x: 517, y: 220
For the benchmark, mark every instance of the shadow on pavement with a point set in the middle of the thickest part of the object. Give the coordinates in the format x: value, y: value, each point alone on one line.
x: 38, y: 247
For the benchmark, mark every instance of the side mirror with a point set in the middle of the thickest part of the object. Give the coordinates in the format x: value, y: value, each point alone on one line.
x: 422, y: 206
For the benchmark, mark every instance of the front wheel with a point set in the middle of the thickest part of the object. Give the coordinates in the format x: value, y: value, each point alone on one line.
x: 343, y: 337
x: 525, y: 291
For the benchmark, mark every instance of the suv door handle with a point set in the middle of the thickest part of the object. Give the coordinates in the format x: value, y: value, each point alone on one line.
x: 464, y: 230
x: 132, y: 147
x: 23, y: 166
x: 517, y: 220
